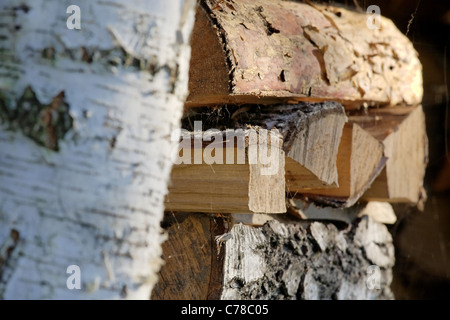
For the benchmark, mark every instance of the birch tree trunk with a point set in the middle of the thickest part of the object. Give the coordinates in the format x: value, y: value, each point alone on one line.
x: 86, y: 117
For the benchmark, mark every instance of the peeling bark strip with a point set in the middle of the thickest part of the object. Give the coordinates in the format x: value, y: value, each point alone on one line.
x: 264, y: 51
x: 308, y: 261
x: 97, y: 203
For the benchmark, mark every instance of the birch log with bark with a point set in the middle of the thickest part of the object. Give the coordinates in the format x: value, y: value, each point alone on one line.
x: 85, y: 123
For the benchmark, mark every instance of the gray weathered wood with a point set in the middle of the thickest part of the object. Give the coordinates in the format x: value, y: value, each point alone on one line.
x: 308, y: 261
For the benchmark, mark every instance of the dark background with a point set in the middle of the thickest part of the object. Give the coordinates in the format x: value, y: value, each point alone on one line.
x: 422, y: 239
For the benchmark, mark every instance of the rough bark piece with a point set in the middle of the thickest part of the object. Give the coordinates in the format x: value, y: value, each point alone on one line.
x: 403, y: 134
x: 379, y: 211
x: 308, y: 261
x: 208, y: 258
x: 89, y: 194
x: 359, y: 161
x: 241, y: 183
x: 265, y: 51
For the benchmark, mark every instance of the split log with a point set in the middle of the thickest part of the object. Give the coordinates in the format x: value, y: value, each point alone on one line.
x: 264, y: 51
x: 302, y: 260
x: 359, y: 161
x: 228, y: 176
x: 311, y: 136
x: 402, y: 132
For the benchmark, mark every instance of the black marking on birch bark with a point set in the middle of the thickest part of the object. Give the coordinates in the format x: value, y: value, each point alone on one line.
x: 174, y: 74
x: 7, y: 247
x: 44, y: 124
x: 22, y: 7
x: 124, y: 291
x: 48, y: 53
x: 112, y: 142
x: 86, y: 56
x: 114, y: 57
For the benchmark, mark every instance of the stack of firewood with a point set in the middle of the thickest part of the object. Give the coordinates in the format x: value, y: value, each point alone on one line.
x: 295, y: 109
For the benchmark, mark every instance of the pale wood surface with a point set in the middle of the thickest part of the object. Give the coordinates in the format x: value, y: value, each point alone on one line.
x: 229, y: 187
x: 406, y: 149
x: 359, y: 161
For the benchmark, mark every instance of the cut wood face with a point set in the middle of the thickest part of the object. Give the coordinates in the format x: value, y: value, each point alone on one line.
x: 311, y: 136
x: 261, y: 51
x: 406, y: 148
x: 360, y: 160
x: 208, y: 62
x: 251, y: 184
x: 193, y: 268
x: 310, y: 133
x: 381, y: 212
x: 311, y: 158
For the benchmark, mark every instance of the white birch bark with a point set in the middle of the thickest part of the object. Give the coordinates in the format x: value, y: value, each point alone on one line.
x: 98, y: 201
